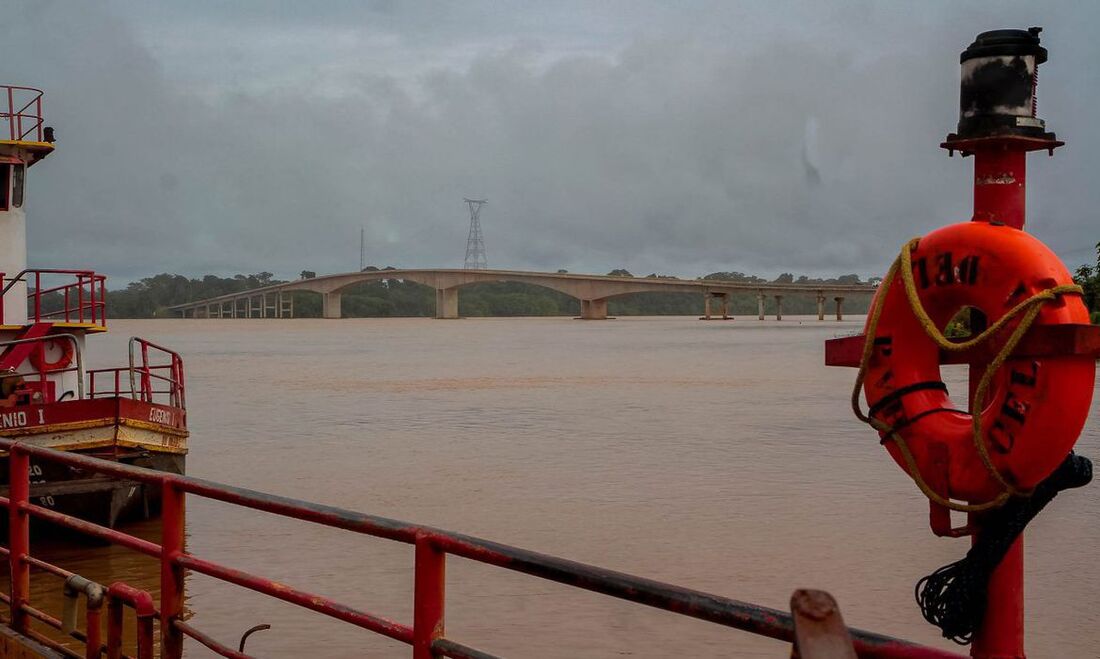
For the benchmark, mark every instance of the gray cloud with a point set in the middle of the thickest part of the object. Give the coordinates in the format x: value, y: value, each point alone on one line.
x: 227, y: 137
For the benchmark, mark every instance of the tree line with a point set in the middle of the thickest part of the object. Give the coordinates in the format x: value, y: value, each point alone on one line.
x: 151, y: 296
x: 1088, y: 278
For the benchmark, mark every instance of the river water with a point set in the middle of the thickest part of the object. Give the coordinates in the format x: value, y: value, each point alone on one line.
x: 721, y: 456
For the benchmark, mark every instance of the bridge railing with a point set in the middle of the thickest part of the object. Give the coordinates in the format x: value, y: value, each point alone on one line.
x: 431, y: 546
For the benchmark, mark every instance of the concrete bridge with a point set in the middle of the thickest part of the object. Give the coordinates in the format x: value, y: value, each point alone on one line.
x: 593, y: 291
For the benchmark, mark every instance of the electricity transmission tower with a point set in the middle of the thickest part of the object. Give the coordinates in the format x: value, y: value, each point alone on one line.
x: 475, y: 243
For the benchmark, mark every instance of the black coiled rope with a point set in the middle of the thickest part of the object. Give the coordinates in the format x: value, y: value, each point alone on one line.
x: 953, y: 597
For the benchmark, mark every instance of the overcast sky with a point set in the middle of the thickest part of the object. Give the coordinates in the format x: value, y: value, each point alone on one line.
x: 679, y: 138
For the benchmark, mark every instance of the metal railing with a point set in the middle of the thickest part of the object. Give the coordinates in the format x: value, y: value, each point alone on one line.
x: 426, y: 634
x: 148, y: 380
x: 23, y: 112
x: 80, y: 301
x: 43, y: 375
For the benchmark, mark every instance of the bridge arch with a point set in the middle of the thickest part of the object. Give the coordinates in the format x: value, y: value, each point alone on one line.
x: 593, y: 291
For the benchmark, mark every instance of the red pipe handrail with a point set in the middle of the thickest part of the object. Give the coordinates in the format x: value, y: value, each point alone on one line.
x: 14, y: 95
x: 89, y: 288
x: 432, y: 545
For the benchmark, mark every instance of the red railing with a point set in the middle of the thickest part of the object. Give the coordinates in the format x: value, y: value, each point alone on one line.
x: 426, y: 635
x: 143, y: 380
x: 80, y: 301
x: 24, y: 112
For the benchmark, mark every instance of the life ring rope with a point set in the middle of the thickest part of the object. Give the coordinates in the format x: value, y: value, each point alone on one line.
x: 1029, y: 309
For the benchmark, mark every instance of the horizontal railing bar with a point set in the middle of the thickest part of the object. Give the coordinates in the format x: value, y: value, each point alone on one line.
x: 89, y: 528
x: 323, y: 605
x: 65, y: 287
x: 48, y: 567
x: 697, y: 604
x: 209, y: 641
x: 705, y: 606
x: 340, y: 518
x: 42, y: 616
x: 454, y: 650
x: 53, y: 645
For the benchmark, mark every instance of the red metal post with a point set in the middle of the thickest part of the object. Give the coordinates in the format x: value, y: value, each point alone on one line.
x: 114, y: 628
x: 429, y: 596
x: 19, y: 537
x: 11, y: 109
x: 93, y: 642
x: 1001, y: 635
x: 1000, y: 196
x: 1000, y: 177
x: 2, y: 274
x: 171, y: 574
x: 118, y: 594
x: 37, y: 296
x: 146, y: 381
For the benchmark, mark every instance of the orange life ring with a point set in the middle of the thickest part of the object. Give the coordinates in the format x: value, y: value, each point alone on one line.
x: 37, y: 357
x: 1034, y: 409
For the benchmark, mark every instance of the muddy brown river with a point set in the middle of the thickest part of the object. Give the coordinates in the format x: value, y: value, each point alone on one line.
x: 722, y: 456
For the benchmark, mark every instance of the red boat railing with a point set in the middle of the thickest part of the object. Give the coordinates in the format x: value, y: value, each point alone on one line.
x: 426, y: 634
x: 80, y: 301
x: 24, y: 112
x: 155, y: 375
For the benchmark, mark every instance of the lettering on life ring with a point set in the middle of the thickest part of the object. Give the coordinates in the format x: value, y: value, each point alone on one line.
x: 1034, y: 408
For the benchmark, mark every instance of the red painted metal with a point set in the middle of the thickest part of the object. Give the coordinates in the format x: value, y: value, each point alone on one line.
x: 431, y: 544
x: 428, y: 603
x: 23, y: 112
x: 88, y: 287
x: 306, y: 600
x: 93, y: 641
x: 118, y: 595
x: 1040, y: 341
x: 219, y: 648
x: 19, y: 538
x: 173, y: 517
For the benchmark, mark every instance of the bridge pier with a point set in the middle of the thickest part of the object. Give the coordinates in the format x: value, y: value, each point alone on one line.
x: 446, y: 303
x: 779, y: 307
x: 725, y: 306
x: 594, y: 309
x: 839, y: 301
x: 330, y: 305
x: 820, y: 306
x: 760, y: 305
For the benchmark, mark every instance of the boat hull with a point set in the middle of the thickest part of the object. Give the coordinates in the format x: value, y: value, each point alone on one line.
x: 128, y: 431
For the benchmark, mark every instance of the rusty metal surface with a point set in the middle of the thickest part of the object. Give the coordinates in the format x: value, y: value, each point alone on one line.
x: 432, y: 546
x: 302, y: 598
x: 209, y: 642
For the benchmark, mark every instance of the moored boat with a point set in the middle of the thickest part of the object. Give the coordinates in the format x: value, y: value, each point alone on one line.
x: 134, y: 413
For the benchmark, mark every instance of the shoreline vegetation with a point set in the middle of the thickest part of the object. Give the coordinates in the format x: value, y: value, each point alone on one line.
x: 150, y: 297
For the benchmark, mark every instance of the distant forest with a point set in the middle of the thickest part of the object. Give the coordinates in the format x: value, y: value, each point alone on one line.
x: 151, y: 296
